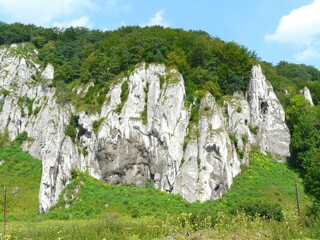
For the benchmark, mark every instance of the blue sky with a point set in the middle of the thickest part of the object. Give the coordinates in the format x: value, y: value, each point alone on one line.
x: 277, y: 30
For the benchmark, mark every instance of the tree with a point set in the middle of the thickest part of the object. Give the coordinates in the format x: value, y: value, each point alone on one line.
x: 312, y: 180
x: 304, y: 123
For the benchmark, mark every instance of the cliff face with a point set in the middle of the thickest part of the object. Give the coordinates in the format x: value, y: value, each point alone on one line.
x: 267, y: 114
x: 149, y: 139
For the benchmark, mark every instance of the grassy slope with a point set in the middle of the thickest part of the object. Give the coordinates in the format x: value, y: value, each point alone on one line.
x: 21, y: 175
x: 267, y: 180
x: 97, y: 209
x: 264, y: 180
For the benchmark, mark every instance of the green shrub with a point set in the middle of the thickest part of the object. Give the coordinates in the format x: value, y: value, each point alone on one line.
x: 201, y: 219
x: 36, y: 76
x: 253, y: 129
x: 233, y: 139
x: 96, y: 125
x: 185, y: 142
x: 194, y: 116
x: 162, y: 81
x: 239, y: 109
x: 244, y: 138
x: 135, y: 213
x: 144, y: 113
x: 4, y: 92
x: 71, y: 129
x: 21, y: 137
x: 29, y: 103
x: 123, y: 96
x: 124, y: 91
x: 119, y: 108
x: 25, y: 101
x: 240, y: 153
x: 314, y: 211
x: 213, y: 88
x: 101, y: 99
x: 262, y: 209
x: 198, y: 161
x: 74, y: 173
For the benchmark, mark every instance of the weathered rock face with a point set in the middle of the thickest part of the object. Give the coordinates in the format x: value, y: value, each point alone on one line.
x: 128, y: 151
x: 210, y: 160
x: 149, y: 138
x: 268, y: 116
x: 29, y: 105
x: 306, y: 93
x: 238, y: 122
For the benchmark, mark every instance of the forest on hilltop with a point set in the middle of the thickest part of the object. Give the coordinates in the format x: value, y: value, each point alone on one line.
x: 207, y: 63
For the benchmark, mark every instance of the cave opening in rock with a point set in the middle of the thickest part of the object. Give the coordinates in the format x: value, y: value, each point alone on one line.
x: 264, y: 107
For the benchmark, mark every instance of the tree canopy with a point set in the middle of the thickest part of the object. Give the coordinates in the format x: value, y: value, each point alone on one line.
x: 92, y: 55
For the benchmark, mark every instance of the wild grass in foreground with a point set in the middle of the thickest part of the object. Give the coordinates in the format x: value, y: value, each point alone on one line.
x: 113, y: 226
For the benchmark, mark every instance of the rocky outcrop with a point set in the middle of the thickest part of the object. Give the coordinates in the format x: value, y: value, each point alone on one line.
x: 258, y: 119
x: 267, y: 117
x: 147, y: 137
x: 238, y: 124
x: 29, y: 105
x: 210, y: 161
x: 307, y: 95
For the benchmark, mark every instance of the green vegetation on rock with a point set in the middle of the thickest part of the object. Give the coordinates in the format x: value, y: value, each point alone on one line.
x: 144, y: 113
x: 123, y: 96
x: 71, y: 128
x: 96, y: 125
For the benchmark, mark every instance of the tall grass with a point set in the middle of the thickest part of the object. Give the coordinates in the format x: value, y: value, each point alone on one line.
x: 21, y: 174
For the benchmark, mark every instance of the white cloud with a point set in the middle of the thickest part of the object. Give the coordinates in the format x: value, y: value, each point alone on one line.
x: 301, y: 26
x: 45, y: 12
x: 83, y: 21
x: 309, y: 53
x: 158, y: 19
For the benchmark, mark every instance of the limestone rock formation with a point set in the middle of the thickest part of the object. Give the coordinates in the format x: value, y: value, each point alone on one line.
x: 306, y: 93
x: 238, y: 122
x: 148, y: 137
x: 210, y: 161
x: 267, y: 116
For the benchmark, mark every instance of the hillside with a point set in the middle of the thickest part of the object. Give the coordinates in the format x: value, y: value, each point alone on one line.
x: 265, y: 181
x: 21, y: 174
x: 120, y: 119
x: 145, y: 130
x: 269, y: 183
